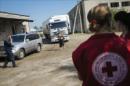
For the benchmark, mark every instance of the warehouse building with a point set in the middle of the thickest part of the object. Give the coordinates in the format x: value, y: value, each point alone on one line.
x: 13, y: 24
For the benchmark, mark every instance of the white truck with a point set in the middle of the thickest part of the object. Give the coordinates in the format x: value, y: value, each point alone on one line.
x: 56, y: 24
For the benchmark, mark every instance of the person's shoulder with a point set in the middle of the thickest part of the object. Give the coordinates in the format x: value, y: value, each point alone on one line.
x: 86, y: 42
x: 120, y: 40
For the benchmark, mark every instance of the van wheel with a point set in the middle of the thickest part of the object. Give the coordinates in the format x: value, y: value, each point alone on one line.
x: 21, y: 54
x: 38, y: 48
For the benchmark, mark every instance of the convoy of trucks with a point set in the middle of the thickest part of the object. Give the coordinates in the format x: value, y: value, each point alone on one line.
x: 56, y: 25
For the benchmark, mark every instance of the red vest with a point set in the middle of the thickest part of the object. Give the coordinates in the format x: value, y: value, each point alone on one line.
x: 127, y: 39
x: 103, y: 60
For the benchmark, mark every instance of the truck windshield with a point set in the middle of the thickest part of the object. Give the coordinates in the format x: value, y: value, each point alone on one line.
x: 58, y: 25
x: 18, y: 38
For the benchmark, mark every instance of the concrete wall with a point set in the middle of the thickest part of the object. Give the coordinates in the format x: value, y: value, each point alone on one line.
x: 82, y: 13
x: 4, y: 30
x: 26, y: 26
x: 13, y: 24
x: 10, y: 28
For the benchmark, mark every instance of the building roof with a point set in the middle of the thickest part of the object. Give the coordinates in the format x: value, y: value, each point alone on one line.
x: 13, y: 16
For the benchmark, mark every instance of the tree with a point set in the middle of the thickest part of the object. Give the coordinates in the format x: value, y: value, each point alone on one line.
x: 41, y: 28
x: 36, y: 28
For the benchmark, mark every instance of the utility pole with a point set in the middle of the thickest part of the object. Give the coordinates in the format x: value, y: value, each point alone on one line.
x: 75, y: 18
x: 80, y: 20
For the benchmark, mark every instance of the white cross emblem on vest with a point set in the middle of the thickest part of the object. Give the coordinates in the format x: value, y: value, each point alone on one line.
x: 109, y: 69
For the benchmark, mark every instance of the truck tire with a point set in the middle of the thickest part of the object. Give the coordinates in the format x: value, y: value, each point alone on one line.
x: 21, y: 54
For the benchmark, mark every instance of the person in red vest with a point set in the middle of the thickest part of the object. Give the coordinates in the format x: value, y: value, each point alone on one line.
x: 122, y: 19
x: 103, y: 59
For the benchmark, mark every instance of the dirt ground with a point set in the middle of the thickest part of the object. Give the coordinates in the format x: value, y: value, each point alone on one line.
x: 51, y: 67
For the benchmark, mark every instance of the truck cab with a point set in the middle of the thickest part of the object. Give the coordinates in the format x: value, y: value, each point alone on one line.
x: 59, y: 24
x: 56, y: 28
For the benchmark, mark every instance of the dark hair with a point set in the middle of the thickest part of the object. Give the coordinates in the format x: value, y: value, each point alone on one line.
x: 123, y: 17
x: 128, y: 20
x: 101, y: 14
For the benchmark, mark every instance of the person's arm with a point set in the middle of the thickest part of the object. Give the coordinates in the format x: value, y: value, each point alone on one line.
x: 77, y: 57
x: 10, y: 41
x: 10, y: 38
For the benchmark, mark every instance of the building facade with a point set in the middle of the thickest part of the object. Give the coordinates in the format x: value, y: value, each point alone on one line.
x: 78, y: 14
x: 13, y: 23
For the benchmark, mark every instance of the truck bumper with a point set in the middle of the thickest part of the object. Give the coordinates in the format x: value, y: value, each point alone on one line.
x: 66, y: 38
x: 54, y: 40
